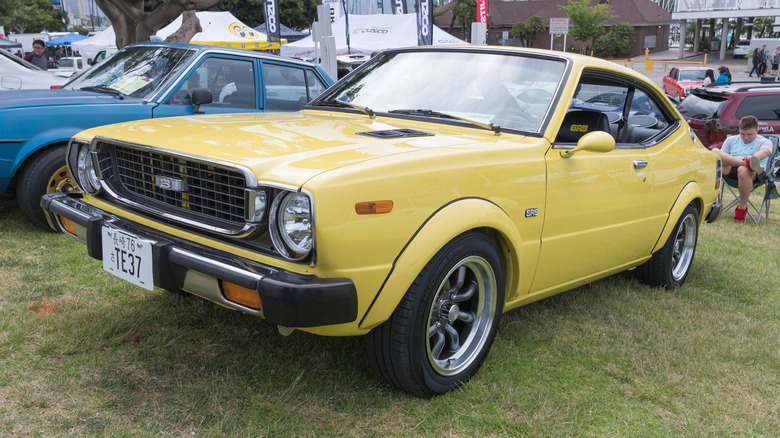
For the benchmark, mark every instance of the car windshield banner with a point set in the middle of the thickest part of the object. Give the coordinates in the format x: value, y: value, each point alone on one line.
x: 425, y: 23
x: 272, y: 27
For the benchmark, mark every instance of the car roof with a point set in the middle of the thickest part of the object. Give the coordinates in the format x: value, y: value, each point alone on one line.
x: 202, y: 48
x: 737, y: 87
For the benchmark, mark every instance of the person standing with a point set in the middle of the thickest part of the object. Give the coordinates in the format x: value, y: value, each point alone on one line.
x: 775, y: 60
x: 762, y: 67
x: 724, y: 75
x: 756, y: 62
x: 38, y: 57
x: 709, y: 78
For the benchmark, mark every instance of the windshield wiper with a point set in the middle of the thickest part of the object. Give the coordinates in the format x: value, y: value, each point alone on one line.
x: 104, y: 89
x: 336, y: 102
x: 432, y: 113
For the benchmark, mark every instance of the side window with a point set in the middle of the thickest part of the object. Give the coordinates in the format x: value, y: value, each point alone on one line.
x: 289, y: 88
x: 763, y: 107
x: 629, y: 114
x: 231, y: 82
x: 673, y: 73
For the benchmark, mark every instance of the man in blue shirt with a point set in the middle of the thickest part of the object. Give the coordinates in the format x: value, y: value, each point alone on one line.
x: 744, y: 157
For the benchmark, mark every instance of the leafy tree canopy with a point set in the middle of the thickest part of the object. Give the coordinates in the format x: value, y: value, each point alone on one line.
x: 30, y: 16
x: 526, y: 31
x: 586, y: 20
x: 617, y: 42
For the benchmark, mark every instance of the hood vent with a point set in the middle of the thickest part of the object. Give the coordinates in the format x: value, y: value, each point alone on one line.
x: 395, y: 133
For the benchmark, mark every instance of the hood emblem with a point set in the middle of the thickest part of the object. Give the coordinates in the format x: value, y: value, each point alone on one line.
x: 169, y: 183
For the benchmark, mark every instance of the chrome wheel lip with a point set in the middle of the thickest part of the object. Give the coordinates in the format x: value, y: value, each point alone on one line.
x: 683, y: 247
x: 446, y: 316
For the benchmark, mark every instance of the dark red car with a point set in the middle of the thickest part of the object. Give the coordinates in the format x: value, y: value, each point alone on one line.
x: 714, y: 112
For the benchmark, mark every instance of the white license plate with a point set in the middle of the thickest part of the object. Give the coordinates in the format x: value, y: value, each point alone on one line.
x: 128, y: 257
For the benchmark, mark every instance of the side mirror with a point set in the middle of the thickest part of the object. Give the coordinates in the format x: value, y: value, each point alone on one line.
x: 201, y: 97
x: 90, y: 61
x: 596, y: 141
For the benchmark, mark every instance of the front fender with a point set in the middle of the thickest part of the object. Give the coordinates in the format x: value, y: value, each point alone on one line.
x: 442, y: 226
x: 691, y: 193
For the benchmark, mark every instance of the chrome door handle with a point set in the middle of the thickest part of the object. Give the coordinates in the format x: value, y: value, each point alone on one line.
x: 640, y: 164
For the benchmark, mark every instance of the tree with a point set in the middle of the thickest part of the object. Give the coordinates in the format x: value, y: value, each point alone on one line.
x: 763, y: 27
x: 30, y: 16
x: 133, y: 24
x: 297, y: 14
x: 617, y: 42
x: 526, y: 32
x: 466, y: 13
x: 586, y: 21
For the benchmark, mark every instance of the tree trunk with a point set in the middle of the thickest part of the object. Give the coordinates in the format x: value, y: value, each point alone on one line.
x: 133, y: 25
x: 190, y: 25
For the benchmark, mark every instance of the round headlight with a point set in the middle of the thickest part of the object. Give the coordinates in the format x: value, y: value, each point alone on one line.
x: 292, y: 230
x: 87, y: 177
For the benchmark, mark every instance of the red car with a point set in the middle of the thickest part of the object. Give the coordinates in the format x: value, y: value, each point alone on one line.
x: 714, y: 112
x: 680, y: 80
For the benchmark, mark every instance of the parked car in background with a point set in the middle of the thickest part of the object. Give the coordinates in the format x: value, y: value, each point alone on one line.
x: 147, y: 80
x: 742, y: 49
x: 18, y: 74
x: 714, y: 112
x: 70, y: 64
x: 681, y: 79
x: 410, y: 211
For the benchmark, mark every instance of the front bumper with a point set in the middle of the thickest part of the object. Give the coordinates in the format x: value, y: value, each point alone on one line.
x: 288, y: 299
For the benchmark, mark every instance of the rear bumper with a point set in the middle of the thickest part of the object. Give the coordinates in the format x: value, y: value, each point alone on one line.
x: 288, y: 299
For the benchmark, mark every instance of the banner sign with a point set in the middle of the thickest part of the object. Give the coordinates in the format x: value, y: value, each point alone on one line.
x: 482, y: 11
x: 272, y: 27
x: 424, y: 22
x: 399, y: 7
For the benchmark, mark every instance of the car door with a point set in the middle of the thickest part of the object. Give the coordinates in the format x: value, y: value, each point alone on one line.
x: 670, y: 81
x: 598, y: 212
x: 233, y: 82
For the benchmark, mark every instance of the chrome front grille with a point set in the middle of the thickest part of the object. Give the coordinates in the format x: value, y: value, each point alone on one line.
x: 183, y: 186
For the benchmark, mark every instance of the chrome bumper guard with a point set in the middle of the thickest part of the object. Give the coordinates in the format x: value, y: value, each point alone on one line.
x: 288, y: 299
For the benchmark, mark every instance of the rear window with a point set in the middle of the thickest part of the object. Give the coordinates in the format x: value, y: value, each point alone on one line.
x: 763, y: 107
x: 701, y: 107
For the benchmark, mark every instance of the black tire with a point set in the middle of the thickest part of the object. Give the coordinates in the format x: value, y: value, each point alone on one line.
x: 41, y: 174
x: 669, y: 266
x: 456, y: 300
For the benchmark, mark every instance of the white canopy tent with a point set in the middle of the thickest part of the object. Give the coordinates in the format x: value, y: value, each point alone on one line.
x: 219, y: 29
x: 369, y: 34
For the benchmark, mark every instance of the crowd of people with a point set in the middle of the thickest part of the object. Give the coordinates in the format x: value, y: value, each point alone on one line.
x: 762, y: 62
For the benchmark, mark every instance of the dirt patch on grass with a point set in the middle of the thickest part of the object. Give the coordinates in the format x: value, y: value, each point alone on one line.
x: 47, y: 308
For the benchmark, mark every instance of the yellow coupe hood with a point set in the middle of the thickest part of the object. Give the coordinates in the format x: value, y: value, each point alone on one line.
x: 289, y: 148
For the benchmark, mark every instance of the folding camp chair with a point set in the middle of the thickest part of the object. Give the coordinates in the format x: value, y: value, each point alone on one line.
x: 765, y: 180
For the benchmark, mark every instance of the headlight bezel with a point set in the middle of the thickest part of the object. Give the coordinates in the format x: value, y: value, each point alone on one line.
x: 287, y: 246
x: 81, y: 165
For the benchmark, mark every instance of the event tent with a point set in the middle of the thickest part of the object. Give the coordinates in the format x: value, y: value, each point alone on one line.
x: 286, y: 33
x: 219, y: 29
x: 369, y: 34
x: 66, y: 40
x: 10, y: 45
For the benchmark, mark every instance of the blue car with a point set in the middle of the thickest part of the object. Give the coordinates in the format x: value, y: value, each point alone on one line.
x: 141, y: 81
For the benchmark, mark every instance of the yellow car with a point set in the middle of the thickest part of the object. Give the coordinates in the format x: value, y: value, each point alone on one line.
x: 413, y: 202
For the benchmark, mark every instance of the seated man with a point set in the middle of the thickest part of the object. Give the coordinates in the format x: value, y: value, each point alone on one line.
x: 744, y: 157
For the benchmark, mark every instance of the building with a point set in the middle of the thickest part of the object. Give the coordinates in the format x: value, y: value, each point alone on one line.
x: 650, y: 21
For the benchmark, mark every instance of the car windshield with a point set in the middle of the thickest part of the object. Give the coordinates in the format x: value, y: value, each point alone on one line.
x: 692, y: 75
x: 136, y: 71
x: 507, y: 90
x: 701, y: 107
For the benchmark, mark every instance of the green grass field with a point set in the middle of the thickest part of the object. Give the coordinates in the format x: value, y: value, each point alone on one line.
x: 85, y: 354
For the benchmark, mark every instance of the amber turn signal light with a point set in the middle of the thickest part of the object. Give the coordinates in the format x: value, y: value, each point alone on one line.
x: 68, y: 226
x: 241, y: 295
x: 374, y: 207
